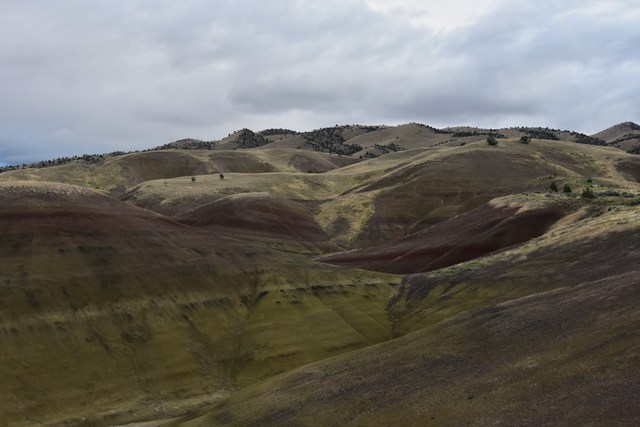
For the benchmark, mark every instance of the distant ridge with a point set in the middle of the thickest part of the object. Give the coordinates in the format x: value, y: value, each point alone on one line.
x: 368, y: 140
x: 625, y: 135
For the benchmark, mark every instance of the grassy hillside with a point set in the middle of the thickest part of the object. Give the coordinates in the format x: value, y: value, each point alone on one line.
x: 543, y: 334
x: 195, y: 286
x: 564, y: 357
x: 116, y: 174
x: 152, y: 316
x: 401, y: 193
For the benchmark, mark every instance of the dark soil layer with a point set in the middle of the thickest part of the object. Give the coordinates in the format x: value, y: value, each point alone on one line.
x: 464, y: 237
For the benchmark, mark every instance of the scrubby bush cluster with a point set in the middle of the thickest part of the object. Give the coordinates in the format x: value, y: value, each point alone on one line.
x: 542, y: 134
x: 463, y: 134
x: 277, y: 131
x: 330, y: 140
x: 581, y: 138
x: 250, y: 139
x: 188, y: 144
x: 431, y: 128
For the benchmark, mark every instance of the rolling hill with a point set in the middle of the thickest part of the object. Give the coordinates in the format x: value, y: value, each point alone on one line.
x: 151, y: 316
x: 625, y: 136
x: 258, y: 280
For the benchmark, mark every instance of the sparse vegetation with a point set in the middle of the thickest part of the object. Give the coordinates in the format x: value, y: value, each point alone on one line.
x: 229, y: 282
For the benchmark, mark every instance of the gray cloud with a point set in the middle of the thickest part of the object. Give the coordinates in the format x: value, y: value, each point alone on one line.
x: 81, y: 78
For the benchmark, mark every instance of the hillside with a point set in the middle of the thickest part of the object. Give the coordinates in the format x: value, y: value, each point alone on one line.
x: 625, y: 136
x: 262, y: 218
x: 550, y: 327
x: 153, y: 316
x: 401, y: 193
x: 565, y: 357
x: 117, y: 174
x: 437, y: 280
x: 496, y: 225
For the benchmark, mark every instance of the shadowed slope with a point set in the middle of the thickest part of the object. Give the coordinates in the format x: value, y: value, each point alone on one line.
x: 565, y: 357
x: 493, y: 226
x: 262, y: 218
x: 112, y: 313
x: 593, y: 243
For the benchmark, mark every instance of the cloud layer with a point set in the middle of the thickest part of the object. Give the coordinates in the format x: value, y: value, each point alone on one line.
x: 89, y: 77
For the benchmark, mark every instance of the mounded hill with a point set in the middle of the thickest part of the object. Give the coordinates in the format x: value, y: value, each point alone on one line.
x: 262, y: 218
x: 496, y: 225
x: 401, y: 193
x: 111, y: 314
x: 421, y: 188
x: 625, y: 136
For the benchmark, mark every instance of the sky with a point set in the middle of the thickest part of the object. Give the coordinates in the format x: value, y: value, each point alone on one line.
x: 95, y: 76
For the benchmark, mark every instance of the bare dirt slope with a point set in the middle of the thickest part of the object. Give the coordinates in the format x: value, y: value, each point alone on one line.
x: 193, y: 290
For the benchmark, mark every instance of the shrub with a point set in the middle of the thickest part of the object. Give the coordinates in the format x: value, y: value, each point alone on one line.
x: 491, y: 140
x: 553, y: 187
x: 588, y: 193
x: 566, y: 189
x: 525, y: 139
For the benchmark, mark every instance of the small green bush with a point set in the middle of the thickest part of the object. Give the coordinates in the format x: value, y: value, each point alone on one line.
x: 588, y: 193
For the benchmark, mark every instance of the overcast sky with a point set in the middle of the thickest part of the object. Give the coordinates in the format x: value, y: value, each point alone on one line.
x: 93, y: 76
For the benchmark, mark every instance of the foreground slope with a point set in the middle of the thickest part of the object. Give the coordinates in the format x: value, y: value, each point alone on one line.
x: 543, y: 334
x: 565, y: 357
x: 112, y: 313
